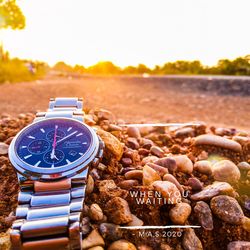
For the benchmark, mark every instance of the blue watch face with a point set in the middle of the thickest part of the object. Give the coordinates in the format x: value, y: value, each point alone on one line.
x: 53, y: 143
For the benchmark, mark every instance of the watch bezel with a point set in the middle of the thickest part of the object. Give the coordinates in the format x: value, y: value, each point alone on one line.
x: 59, y: 172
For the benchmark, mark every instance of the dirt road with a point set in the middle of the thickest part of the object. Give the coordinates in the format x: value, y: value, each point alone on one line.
x: 222, y: 101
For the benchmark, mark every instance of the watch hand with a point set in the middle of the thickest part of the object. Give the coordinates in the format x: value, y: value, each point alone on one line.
x: 66, y: 137
x: 52, y: 155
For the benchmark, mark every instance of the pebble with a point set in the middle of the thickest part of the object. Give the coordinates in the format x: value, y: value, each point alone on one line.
x: 157, y: 151
x: 244, y: 166
x: 238, y: 245
x: 218, y: 141
x: 226, y: 170
x: 180, y: 213
x: 134, y: 174
x: 227, y: 209
x: 167, y: 162
x: 112, y: 144
x: 135, y: 221
x: 101, y: 166
x: 122, y: 245
x: 134, y: 132
x: 126, y: 161
x: 146, y: 143
x: 204, y: 215
x: 185, y: 132
x: 184, y: 164
x: 90, y: 185
x: 204, y: 167
x: 212, y: 190
x: 195, y: 184
x: 246, y: 224
x: 160, y: 170
x: 118, y: 212
x: 3, y: 148
x: 92, y: 240
x: 190, y: 241
x: 132, y: 143
x: 96, y: 248
x: 144, y: 247
x: 5, y: 241
x: 171, y: 178
x: 149, y: 176
x: 128, y: 184
x: 95, y: 212
x: 148, y: 159
x: 168, y: 190
x: 110, y: 231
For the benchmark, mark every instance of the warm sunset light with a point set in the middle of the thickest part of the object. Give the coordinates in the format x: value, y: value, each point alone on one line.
x: 131, y: 32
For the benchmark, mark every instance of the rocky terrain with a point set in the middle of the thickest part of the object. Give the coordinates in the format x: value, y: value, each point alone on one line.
x: 196, y: 176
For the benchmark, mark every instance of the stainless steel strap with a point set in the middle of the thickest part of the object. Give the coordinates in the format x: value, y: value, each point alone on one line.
x: 49, y: 213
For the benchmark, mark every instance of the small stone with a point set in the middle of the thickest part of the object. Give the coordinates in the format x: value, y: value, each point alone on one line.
x: 227, y: 209
x: 212, y: 190
x: 165, y: 246
x: 204, y: 215
x: 103, y: 114
x: 238, y: 245
x: 88, y: 119
x: 118, y: 212
x: 122, y: 245
x: 143, y: 151
x: 128, y: 184
x: 96, y: 248
x: 92, y: 240
x: 185, y: 132
x: 144, y: 247
x: 218, y: 141
x: 112, y: 144
x: 195, y: 184
x: 146, y: 143
x: 167, y: 162
x: 3, y: 148
x: 132, y: 143
x: 134, y: 132
x: 190, y: 241
x: 149, y: 176
x: 134, y: 174
x: 148, y: 159
x: 108, y: 190
x: 90, y: 185
x: 160, y: 170
x: 171, y: 178
x: 204, y: 167
x: 244, y: 166
x: 180, y: 213
x: 168, y: 190
x: 246, y: 224
x: 135, y: 221
x: 5, y: 241
x: 85, y: 226
x: 110, y: 231
x: 95, y: 212
x: 126, y: 161
x: 101, y: 166
x: 157, y: 151
x: 226, y: 170
x: 184, y: 164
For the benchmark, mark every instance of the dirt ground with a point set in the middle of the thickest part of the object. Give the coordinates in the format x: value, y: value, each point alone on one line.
x: 223, y: 101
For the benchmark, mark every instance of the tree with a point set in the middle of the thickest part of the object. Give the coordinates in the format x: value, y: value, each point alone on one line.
x: 11, y: 15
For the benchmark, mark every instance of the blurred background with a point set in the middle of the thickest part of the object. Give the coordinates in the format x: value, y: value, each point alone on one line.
x: 146, y: 61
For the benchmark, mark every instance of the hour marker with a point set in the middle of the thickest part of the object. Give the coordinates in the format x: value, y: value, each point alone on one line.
x: 69, y: 129
x: 80, y: 153
x: 52, y: 166
x: 27, y: 156
x: 68, y: 161
x: 24, y: 147
x: 31, y: 137
x: 42, y: 130
x: 84, y: 143
x: 37, y: 164
x: 79, y: 134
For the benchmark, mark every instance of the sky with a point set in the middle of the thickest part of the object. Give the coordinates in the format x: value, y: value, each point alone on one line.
x: 128, y: 32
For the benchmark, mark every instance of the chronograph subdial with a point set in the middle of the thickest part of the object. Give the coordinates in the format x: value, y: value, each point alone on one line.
x: 59, y: 135
x: 38, y: 146
x: 55, y: 159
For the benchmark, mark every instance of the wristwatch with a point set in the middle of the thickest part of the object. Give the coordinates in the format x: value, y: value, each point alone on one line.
x: 51, y: 157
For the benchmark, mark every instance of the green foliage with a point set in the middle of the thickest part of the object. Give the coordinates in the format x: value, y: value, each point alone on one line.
x: 239, y: 66
x: 11, y: 15
x: 16, y: 70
